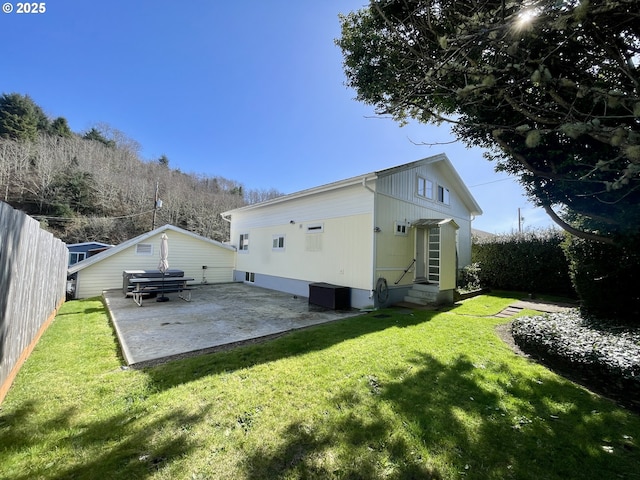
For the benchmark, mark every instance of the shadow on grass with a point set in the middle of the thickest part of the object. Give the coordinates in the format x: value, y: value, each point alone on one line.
x: 554, y: 431
x: 121, y: 446
x: 557, y: 431
x: 289, y: 344
x: 365, y: 453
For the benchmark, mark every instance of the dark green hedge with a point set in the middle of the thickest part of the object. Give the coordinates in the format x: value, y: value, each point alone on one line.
x: 531, y: 262
x: 606, y: 278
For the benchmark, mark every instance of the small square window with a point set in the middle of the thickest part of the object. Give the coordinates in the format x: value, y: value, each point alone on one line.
x: 249, y: 277
x: 278, y: 242
x: 401, y: 228
x: 243, y: 244
x: 75, y: 257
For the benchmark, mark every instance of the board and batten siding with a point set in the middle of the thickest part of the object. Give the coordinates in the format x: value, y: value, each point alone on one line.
x: 448, y: 234
x: 403, y: 185
x: 185, y: 253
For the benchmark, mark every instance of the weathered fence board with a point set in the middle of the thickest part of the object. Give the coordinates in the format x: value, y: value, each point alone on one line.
x: 33, y: 266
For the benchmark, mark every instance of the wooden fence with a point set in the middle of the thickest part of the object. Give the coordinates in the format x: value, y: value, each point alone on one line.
x: 33, y: 274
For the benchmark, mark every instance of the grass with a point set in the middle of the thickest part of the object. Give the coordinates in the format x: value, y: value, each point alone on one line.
x: 390, y: 394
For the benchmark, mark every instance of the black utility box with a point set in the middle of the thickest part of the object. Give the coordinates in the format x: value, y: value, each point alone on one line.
x: 331, y: 296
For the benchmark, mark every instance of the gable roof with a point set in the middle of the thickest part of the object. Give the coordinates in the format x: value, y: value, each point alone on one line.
x: 458, y: 186
x: 84, y: 244
x: 141, y: 238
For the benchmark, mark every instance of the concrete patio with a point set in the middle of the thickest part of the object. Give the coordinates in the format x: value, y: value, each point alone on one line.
x: 219, y: 316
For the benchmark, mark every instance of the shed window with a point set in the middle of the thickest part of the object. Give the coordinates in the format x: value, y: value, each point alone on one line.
x: 243, y: 244
x: 443, y: 195
x: 278, y: 242
x: 144, y: 249
x: 425, y: 188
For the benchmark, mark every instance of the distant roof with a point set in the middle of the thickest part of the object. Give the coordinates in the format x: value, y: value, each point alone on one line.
x: 83, y: 244
x: 481, y: 234
x: 140, y: 238
x: 460, y: 187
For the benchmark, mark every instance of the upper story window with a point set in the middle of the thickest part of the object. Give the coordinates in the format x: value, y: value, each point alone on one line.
x: 243, y: 244
x: 144, y: 249
x: 443, y: 195
x: 425, y: 188
x: 278, y: 242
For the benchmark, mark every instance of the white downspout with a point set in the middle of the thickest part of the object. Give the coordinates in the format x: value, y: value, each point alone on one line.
x: 373, y: 237
x: 364, y: 184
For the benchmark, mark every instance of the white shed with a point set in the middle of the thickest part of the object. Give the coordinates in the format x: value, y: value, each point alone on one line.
x: 203, y: 259
x: 379, y: 234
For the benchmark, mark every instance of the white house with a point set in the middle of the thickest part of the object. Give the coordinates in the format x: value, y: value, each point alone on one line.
x: 401, y: 231
x: 200, y: 258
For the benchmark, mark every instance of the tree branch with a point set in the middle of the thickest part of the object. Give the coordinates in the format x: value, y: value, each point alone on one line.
x: 574, y: 231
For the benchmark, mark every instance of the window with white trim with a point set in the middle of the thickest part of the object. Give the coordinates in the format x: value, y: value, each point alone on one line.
x: 424, y: 188
x: 249, y: 277
x: 243, y: 244
x: 443, y: 195
x: 144, y: 249
x: 75, y: 257
x: 278, y: 242
x: 401, y: 228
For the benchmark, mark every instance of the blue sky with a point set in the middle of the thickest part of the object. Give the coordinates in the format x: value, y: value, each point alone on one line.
x: 252, y: 91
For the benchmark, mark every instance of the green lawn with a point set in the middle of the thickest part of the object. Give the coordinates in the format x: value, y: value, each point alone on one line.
x: 390, y: 394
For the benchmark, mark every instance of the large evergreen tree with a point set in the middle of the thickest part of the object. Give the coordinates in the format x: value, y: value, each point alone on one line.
x: 60, y: 128
x: 21, y: 118
x: 550, y: 88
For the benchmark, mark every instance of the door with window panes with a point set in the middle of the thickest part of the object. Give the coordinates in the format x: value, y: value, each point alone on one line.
x: 433, y: 258
x: 427, y: 255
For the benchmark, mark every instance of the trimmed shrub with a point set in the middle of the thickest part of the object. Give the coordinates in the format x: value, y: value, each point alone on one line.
x: 532, y: 262
x: 607, y: 357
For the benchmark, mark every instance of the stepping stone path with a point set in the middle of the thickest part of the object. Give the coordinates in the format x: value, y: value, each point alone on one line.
x: 510, y: 311
x: 517, y: 307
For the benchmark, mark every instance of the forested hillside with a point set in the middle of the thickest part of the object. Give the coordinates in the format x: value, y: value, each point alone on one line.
x: 94, y: 185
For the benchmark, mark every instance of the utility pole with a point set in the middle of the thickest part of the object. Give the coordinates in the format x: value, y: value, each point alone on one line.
x: 519, y: 222
x: 155, y: 208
